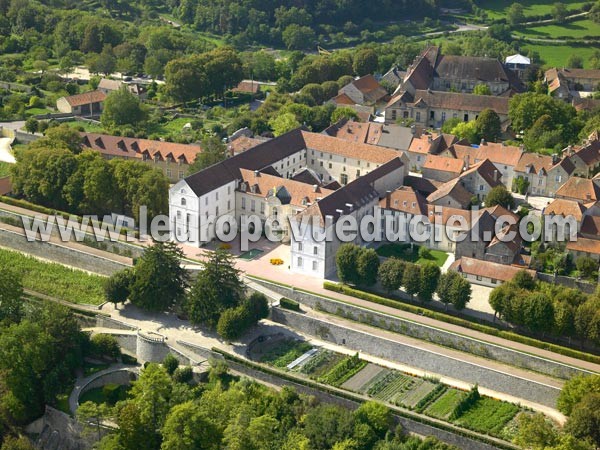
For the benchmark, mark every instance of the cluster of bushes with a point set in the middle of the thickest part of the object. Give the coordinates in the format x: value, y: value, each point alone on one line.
x: 234, y: 322
x: 183, y: 374
x: 105, y: 345
x: 470, y: 323
x: 546, y: 308
x: 54, y: 172
x: 361, y: 267
x: 289, y: 304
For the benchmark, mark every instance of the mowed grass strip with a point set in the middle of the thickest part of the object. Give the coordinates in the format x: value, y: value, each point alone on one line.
x: 575, y: 29
x: 55, y: 280
x: 497, y: 9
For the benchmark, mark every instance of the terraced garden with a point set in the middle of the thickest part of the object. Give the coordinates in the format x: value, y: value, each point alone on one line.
x: 423, y: 395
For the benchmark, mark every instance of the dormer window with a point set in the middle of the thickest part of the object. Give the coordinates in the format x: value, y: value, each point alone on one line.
x: 183, y: 202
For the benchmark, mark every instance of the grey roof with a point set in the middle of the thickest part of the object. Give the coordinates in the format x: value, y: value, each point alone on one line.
x: 260, y: 157
x: 396, y: 136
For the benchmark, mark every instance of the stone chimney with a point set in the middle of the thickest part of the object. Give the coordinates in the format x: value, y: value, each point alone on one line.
x: 388, y: 197
x: 256, y: 173
x: 315, y: 188
x: 483, y: 142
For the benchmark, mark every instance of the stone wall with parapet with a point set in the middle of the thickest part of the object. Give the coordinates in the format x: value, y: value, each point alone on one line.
x: 412, y: 356
x: 427, y: 333
x: 60, y: 254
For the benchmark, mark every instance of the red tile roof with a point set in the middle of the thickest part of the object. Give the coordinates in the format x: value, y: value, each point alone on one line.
x: 265, y: 185
x: 584, y: 245
x: 125, y: 147
x: 579, y: 189
x: 86, y: 98
x: 444, y: 164
x: 405, y: 199
x: 487, y: 269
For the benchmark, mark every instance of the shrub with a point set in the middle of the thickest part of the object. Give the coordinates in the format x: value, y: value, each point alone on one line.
x: 225, y: 246
x: 424, y: 252
x: 111, y: 393
x: 170, y: 363
x: 276, y: 261
x: 105, y: 345
x: 467, y: 402
x: 289, y: 304
x: 183, y: 374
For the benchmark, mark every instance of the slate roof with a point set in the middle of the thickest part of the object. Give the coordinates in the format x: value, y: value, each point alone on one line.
x: 357, y: 193
x: 471, y: 68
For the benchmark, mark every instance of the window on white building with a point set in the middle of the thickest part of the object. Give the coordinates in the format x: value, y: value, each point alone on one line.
x: 243, y: 203
x: 262, y: 208
x: 217, y: 195
x: 315, y: 265
x: 299, y: 246
x: 179, y: 214
x: 252, y: 205
x: 299, y: 261
x: 315, y: 250
x: 183, y: 202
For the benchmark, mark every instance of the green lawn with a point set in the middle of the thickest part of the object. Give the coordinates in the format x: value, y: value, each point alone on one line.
x: 90, y: 369
x: 403, y: 251
x: 557, y: 55
x: 36, y: 111
x: 87, y: 126
x: 4, y: 169
x: 55, y: 280
x: 575, y: 29
x: 98, y: 395
x: 497, y: 9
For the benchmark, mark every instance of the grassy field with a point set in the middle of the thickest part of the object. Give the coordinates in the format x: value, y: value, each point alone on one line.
x: 4, y: 169
x: 87, y: 126
x: 98, y: 395
x: 36, y: 111
x: 497, y: 9
x: 575, y: 29
x: 54, y: 279
x: 557, y: 55
x: 403, y: 251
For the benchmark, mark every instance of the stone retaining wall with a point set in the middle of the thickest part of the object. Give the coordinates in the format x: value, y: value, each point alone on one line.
x: 109, y: 322
x: 418, y: 358
x: 434, y: 335
x: 122, y: 377
x: 59, y: 253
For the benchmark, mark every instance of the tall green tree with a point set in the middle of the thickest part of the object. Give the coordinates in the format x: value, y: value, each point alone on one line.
x: 365, y: 62
x: 346, y: 261
x: 151, y: 393
x: 188, y: 428
x: 118, y: 286
x: 218, y: 287
x: 430, y: 276
x: 584, y: 422
x: 122, y: 108
x: 367, y: 266
x: 160, y: 280
x: 499, y: 195
x: 488, y: 125
x: 390, y: 274
x: 213, y: 152
x: 411, y: 280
